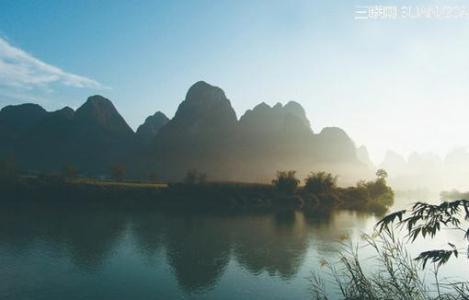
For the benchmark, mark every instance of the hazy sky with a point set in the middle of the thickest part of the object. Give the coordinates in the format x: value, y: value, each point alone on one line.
x: 391, y: 84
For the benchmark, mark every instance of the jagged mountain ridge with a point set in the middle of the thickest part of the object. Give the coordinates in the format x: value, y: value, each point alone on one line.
x: 204, y: 134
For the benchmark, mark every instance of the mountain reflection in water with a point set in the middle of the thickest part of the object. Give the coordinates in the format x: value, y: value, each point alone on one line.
x: 54, y: 252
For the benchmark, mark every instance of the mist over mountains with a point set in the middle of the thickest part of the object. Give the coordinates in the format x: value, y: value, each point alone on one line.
x: 205, y: 134
x: 428, y: 171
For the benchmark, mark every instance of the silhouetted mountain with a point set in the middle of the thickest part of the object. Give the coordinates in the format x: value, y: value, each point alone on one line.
x: 458, y: 158
x: 334, y: 145
x: 393, y: 160
x: 99, y: 113
x: 420, y: 171
x: 21, y: 117
x: 104, y: 135
x: 149, y: 129
x: 14, y: 121
x: 54, y: 123
x: 421, y: 161
x: 289, y: 120
x: 199, y: 136
x: 92, y: 138
x: 364, y: 156
x: 205, y: 109
x: 46, y: 145
x: 204, y: 135
x: 272, y: 138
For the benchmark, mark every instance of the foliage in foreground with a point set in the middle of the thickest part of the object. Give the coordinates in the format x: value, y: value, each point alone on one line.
x: 395, y: 275
x: 427, y: 220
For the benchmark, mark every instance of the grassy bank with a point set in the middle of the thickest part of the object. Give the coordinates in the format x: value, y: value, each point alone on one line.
x: 320, y: 193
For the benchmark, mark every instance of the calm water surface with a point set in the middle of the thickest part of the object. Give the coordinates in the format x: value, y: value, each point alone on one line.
x: 92, y: 253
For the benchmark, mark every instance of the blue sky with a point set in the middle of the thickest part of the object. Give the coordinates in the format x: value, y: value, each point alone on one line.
x: 391, y: 84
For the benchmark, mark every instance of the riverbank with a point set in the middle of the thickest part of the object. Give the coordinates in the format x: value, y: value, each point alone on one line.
x: 366, y: 196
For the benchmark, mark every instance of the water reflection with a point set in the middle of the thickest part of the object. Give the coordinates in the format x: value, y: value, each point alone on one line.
x: 85, y: 235
x: 329, y: 231
x: 275, y: 244
x: 197, y: 247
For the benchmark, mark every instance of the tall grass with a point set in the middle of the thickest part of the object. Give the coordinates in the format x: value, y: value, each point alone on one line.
x: 390, y: 274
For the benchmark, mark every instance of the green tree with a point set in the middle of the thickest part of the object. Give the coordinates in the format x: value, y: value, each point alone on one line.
x: 286, y: 181
x: 375, y: 195
x: 320, y: 182
x: 382, y: 174
x: 379, y: 191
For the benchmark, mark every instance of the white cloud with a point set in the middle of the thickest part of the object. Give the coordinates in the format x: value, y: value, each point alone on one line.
x: 20, y: 69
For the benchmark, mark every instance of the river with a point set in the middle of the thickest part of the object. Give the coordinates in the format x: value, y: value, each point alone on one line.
x: 95, y: 253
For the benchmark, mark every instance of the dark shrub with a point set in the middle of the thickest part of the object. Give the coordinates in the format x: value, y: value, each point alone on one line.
x: 286, y: 181
x: 320, y: 182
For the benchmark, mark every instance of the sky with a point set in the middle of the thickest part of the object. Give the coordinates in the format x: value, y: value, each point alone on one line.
x: 393, y: 84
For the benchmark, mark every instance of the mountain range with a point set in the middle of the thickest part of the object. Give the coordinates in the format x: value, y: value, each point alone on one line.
x: 428, y: 171
x: 205, y: 134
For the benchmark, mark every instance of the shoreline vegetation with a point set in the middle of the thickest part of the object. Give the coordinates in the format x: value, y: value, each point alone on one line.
x: 319, y: 193
x: 396, y: 274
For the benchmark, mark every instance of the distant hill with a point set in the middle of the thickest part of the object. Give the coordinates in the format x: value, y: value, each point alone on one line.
x: 16, y: 119
x: 428, y: 171
x: 92, y: 138
x: 150, y: 128
x: 205, y: 134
